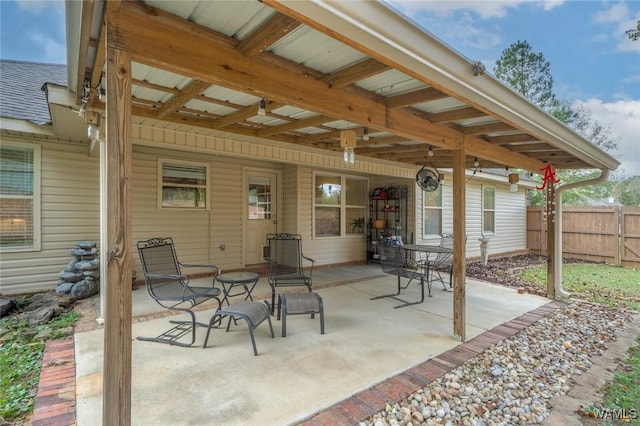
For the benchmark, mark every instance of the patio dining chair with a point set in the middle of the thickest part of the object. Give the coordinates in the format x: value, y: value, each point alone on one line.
x: 443, y: 263
x: 170, y: 288
x: 284, y: 259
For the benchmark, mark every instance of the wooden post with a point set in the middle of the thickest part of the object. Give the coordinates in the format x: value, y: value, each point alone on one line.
x: 459, y: 245
x: 117, y: 331
x: 551, y: 238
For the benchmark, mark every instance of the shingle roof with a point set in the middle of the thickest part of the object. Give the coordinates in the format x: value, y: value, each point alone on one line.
x: 21, y: 94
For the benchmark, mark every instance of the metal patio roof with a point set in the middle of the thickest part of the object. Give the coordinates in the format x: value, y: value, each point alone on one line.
x: 321, y: 67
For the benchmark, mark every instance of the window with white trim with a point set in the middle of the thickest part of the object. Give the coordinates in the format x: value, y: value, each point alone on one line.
x: 339, y: 205
x: 432, y: 212
x: 19, y: 197
x: 183, y: 185
x: 488, y: 210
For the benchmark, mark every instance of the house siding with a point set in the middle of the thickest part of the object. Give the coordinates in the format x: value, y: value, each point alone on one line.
x: 69, y: 206
x: 510, y: 235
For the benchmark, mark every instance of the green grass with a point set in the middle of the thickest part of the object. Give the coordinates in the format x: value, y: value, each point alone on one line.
x: 623, y: 392
x: 21, y: 354
x: 604, y: 284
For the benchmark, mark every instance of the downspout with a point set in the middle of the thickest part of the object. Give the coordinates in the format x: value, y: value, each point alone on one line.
x: 557, y: 244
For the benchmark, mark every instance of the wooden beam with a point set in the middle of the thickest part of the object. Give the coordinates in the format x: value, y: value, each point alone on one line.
x: 480, y: 129
x: 507, y: 139
x: 83, y: 48
x: 277, y: 27
x: 417, y: 97
x: 143, y: 31
x: 459, y: 246
x: 456, y: 114
x: 359, y: 71
x: 240, y: 115
x: 192, y: 90
x: 149, y: 85
x: 98, y: 65
x: 116, y: 408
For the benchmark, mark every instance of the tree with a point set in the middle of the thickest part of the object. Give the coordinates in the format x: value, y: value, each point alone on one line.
x: 627, y: 191
x: 634, y: 33
x: 528, y: 73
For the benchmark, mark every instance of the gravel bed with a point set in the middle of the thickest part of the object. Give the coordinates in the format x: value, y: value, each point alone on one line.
x: 512, y: 382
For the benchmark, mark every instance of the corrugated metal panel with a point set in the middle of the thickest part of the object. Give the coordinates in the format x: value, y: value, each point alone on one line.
x: 315, y: 50
x: 390, y: 83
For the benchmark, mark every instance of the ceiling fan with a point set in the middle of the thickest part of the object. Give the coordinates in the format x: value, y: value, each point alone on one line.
x: 428, y: 178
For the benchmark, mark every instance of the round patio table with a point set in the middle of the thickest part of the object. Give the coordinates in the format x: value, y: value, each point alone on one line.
x: 244, y: 279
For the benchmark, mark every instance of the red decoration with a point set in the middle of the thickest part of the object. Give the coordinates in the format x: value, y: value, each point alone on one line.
x: 549, y: 175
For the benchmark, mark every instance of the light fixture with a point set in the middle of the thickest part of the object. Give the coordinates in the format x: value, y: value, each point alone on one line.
x: 430, y: 152
x: 262, y: 108
x: 365, y: 134
x: 514, y: 178
x: 348, y: 142
x: 93, y: 126
x: 476, y: 163
x: 93, y: 132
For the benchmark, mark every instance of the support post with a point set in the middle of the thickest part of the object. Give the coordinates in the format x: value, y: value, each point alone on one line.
x: 551, y: 236
x: 459, y: 245
x: 117, y: 331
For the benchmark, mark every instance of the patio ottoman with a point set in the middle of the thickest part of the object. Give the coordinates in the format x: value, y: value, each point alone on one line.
x: 300, y: 304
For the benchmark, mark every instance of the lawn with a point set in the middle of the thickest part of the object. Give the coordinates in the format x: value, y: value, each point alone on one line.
x: 608, y: 285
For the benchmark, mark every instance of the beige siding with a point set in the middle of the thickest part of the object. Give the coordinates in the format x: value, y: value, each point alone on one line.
x: 69, y: 213
x: 290, y: 192
x: 511, y: 217
x: 70, y: 205
x: 324, y: 250
x: 198, y: 235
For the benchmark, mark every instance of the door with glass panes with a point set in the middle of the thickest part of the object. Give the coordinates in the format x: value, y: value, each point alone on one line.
x: 261, y: 212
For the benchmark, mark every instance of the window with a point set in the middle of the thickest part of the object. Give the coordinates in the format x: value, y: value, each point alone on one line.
x: 259, y: 198
x: 183, y: 185
x: 19, y: 196
x: 488, y: 210
x: 432, y: 217
x: 339, y: 205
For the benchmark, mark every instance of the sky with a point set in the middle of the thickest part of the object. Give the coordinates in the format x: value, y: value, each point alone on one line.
x: 593, y: 63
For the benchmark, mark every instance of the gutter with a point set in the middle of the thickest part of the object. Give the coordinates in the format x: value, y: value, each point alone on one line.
x: 387, y: 33
x: 557, y: 229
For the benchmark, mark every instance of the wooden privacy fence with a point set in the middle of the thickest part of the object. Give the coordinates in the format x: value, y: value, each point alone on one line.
x: 601, y: 234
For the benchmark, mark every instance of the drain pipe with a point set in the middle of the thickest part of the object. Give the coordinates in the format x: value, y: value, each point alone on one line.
x: 557, y: 229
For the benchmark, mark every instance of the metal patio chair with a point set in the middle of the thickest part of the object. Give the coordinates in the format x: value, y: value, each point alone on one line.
x: 393, y: 260
x: 443, y: 263
x: 284, y: 259
x: 170, y: 288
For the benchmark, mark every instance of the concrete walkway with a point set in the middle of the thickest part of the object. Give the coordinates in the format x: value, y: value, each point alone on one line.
x: 293, y: 378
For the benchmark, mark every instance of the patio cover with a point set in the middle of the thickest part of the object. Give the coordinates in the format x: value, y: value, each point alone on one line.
x: 321, y: 67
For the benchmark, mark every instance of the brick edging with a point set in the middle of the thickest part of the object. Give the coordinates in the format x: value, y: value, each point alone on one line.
x: 364, y: 404
x: 56, y: 398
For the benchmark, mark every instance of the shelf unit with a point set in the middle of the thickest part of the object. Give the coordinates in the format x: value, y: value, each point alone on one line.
x: 388, y: 217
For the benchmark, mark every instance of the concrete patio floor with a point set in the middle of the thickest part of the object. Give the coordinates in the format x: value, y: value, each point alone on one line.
x: 292, y: 378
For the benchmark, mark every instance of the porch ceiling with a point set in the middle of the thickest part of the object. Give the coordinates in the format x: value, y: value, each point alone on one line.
x: 203, y: 66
